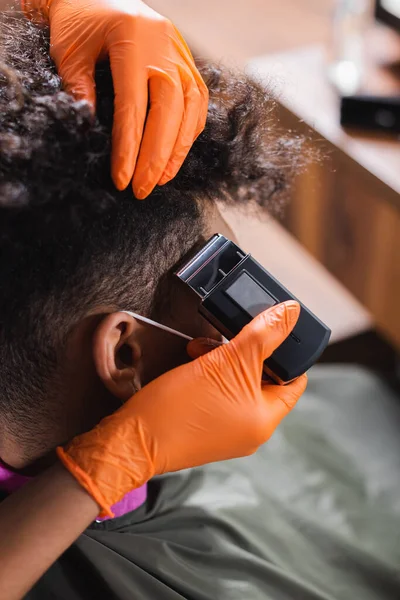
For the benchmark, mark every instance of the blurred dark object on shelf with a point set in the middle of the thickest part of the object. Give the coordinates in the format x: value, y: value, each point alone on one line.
x: 388, y: 12
x: 377, y: 113
x: 366, y: 72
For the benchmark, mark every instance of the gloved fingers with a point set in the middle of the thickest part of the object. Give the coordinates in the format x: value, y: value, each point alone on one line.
x: 181, y: 46
x: 203, y: 89
x: 77, y: 76
x: 130, y: 109
x: 204, y: 99
x: 281, y: 399
x: 193, y: 110
x: 186, y: 54
x: 163, y: 123
x: 258, y: 340
x: 200, y: 346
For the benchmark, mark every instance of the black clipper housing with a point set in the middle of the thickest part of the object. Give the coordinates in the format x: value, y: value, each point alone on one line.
x: 234, y: 288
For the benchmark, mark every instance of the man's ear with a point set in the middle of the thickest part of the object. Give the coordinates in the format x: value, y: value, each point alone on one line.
x: 117, y: 354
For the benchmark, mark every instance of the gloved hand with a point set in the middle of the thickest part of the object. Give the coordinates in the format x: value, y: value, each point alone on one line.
x: 214, y: 408
x: 151, y: 65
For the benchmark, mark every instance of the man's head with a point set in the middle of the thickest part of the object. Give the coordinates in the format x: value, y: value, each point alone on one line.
x: 74, y: 252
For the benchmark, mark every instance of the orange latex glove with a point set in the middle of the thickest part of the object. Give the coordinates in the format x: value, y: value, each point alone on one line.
x: 151, y: 67
x: 214, y: 408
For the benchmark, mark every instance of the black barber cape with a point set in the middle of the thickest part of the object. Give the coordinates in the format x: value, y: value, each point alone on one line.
x: 314, y: 515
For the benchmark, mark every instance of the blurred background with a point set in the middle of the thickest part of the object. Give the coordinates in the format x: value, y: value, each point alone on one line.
x: 335, y: 68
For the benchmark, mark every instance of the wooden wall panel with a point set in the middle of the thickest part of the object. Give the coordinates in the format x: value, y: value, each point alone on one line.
x: 343, y: 217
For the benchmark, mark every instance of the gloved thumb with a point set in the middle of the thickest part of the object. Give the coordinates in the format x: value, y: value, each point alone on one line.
x: 200, y: 346
x: 259, y: 338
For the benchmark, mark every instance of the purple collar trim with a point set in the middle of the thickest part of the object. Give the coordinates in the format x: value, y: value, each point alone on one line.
x: 11, y: 482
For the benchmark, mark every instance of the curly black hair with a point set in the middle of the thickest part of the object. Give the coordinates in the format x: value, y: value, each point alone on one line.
x: 68, y: 240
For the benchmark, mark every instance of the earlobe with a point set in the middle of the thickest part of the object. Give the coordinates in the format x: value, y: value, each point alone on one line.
x: 117, y: 354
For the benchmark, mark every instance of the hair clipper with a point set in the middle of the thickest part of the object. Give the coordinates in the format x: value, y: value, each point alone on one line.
x: 234, y: 288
